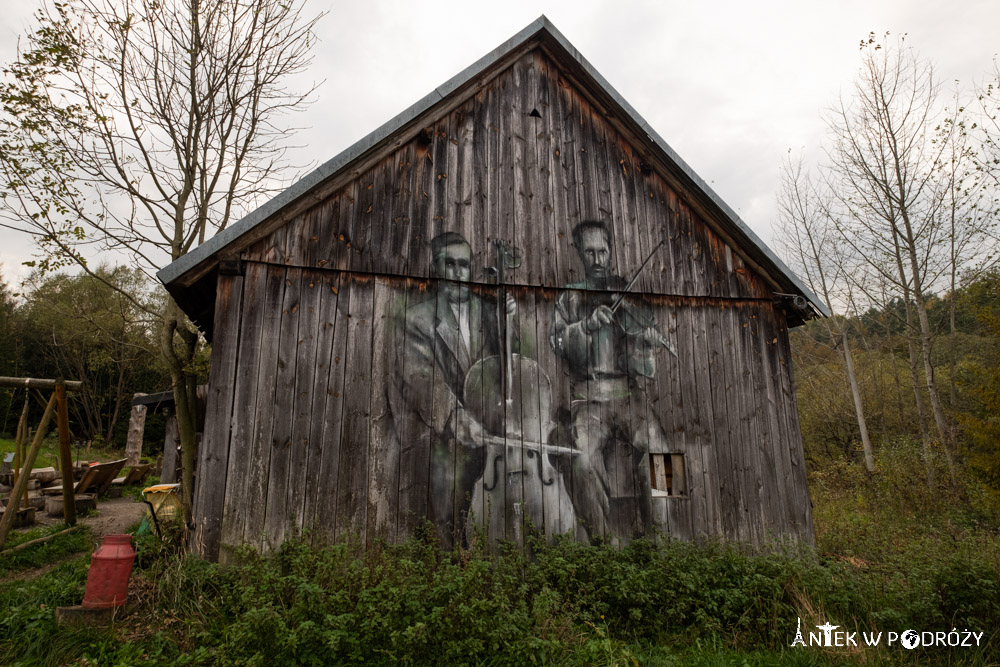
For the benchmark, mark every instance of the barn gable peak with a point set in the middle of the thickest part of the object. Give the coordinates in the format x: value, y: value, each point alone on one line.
x: 191, y: 279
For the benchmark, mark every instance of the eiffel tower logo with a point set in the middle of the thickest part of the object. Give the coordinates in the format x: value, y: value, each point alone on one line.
x: 798, y: 641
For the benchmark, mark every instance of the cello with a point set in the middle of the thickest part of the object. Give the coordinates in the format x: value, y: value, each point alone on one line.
x: 517, y: 418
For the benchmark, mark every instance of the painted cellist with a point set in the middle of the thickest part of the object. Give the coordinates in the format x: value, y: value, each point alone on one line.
x: 443, y: 335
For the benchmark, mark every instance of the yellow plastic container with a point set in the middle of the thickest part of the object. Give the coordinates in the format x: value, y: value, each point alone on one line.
x: 165, y: 499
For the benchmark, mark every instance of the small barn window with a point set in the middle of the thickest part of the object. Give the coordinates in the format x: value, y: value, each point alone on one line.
x: 666, y: 474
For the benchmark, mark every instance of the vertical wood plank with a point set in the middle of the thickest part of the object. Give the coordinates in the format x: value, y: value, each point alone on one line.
x: 759, y: 499
x: 728, y: 492
x: 568, y: 195
x: 383, y: 458
x: 546, y: 219
x: 328, y: 231
x: 307, y: 364
x: 279, y: 443
x: 316, y: 484
x: 346, y: 253
x: 403, y: 227
x: 803, y: 522
x: 704, y: 489
x: 352, y: 488
x: 171, y: 441
x: 749, y: 525
x: 259, y: 452
x: 242, y: 421
x: 326, y: 513
x: 213, y: 457
x: 438, y: 191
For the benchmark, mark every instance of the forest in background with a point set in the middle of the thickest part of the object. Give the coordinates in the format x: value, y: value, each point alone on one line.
x: 83, y: 328
x: 966, y: 363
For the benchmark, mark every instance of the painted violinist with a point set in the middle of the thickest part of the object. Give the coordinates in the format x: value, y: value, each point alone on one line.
x: 608, y: 353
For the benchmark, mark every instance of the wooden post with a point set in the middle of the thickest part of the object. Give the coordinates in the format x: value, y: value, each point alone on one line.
x: 40, y: 540
x: 136, y: 426
x: 22, y: 483
x: 65, y: 455
x: 19, y: 440
x: 34, y: 383
x: 168, y: 471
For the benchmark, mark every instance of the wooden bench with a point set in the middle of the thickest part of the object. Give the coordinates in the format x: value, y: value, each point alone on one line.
x: 96, y: 478
x: 136, y: 475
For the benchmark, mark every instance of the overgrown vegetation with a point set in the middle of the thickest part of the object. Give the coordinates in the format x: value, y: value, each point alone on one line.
x: 966, y: 363
x: 83, y: 328
x: 891, y: 556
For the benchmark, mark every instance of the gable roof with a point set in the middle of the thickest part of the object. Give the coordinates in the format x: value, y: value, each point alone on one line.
x: 191, y: 278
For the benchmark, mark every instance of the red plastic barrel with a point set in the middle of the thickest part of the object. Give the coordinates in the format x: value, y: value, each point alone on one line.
x: 110, y: 567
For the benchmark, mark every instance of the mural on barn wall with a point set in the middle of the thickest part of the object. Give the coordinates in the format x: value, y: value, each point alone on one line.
x: 498, y: 447
x: 385, y: 359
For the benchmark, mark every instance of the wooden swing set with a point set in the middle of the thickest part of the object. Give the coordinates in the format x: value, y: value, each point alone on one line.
x: 26, y: 461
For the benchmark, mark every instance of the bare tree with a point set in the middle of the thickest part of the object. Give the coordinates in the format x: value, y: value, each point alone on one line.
x: 809, y: 239
x: 891, y: 192
x: 142, y: 127
x: 969, y: 215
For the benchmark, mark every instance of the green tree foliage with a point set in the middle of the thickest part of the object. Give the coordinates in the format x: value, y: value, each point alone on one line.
x: 8, y: 351
x: 145, y: 128
x: 829, y: 429
x: 84, y: 328
x: 982, y: 381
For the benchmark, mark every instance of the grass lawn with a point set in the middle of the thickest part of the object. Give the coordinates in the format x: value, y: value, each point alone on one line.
x: 49, y: 454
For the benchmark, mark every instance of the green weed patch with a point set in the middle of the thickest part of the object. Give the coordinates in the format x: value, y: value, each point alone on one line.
x: 54, y: 550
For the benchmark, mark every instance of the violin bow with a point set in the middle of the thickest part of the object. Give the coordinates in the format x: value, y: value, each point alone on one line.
x: 621, y: 296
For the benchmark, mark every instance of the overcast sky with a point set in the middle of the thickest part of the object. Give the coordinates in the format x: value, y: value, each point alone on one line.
x: 731, y: 86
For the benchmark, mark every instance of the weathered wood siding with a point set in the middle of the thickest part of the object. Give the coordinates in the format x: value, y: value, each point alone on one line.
x: 312, y: 445
x: 491, y: 170
x: 325, y: 413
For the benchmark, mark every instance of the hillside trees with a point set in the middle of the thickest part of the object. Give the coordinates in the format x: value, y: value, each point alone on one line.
x: 142, y: 129
x: 982, y: 421
x: 901, y: 211
x: 8, y: 350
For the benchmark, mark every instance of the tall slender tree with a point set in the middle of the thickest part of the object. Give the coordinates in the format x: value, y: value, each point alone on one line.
x: 809, y: 239
x: 891, y: 193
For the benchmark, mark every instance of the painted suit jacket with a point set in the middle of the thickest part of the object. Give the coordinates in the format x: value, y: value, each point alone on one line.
x: 433, y: 360
x: 425, y: 402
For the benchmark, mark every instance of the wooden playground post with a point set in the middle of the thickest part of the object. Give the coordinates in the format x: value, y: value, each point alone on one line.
x: 57, y: 400
x: 65, y: 455
x: 22, y: 482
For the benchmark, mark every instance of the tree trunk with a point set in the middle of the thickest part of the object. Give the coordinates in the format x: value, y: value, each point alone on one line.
x: 179, y: 345
x: 866, y: 443
x: 952, y: 397
x: 918, y: 395
x: 938, y: 411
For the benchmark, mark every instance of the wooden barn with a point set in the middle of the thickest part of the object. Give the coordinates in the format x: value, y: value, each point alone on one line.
x: 510, y: 310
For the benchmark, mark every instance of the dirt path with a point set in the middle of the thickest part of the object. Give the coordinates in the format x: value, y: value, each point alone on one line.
x: 113, y: 517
